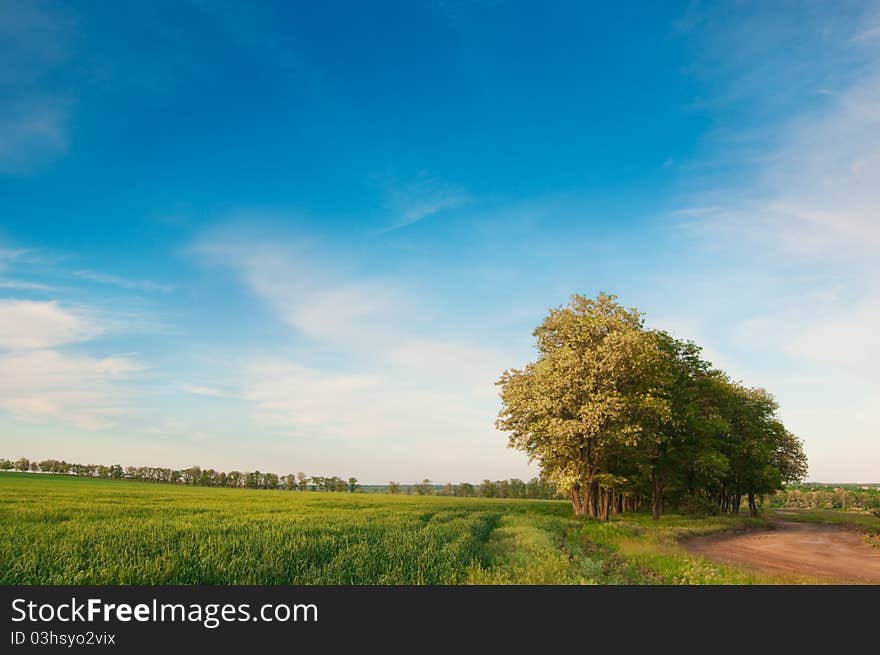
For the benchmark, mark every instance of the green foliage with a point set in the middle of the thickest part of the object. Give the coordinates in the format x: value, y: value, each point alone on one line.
x: 575, y: 405
x: 698, y: 506
x: 823, y: 496
x: 538, y: 487
x: 618, y: 415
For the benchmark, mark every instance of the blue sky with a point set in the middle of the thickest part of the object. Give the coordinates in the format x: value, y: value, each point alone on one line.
x: 310, y: 237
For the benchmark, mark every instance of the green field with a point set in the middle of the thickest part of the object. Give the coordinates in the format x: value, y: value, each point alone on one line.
x: 67, y: 530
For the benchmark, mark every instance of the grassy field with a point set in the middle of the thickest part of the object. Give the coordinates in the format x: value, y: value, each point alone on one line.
x: 65, y: 530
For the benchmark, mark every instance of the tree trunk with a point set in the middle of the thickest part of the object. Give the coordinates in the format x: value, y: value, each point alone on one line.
x: 657, y: 494
x: 594, y: 499
x: 753, y: 507
x: 606, y: 502
x: 577, y: 503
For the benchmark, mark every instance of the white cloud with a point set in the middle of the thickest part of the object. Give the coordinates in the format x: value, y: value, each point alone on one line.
x: 870, y: 32
x: 43, y: 385
x: 825, y: 181
x: 349, y: 311
x: 423, y: 197
x: 122, y: 282
x: 849, y: 339
x: 28, y: 324
x: 470, y: 367
x: 41, y: 382
x: 21, y: 285
x: 379, y: 374
x: 201, y: 390
x: 379, y: 321
x: 807, y: 231
x: 54, y: 369
x: 815, y: 216
x: 307, y: 292
x: 377, y: 409
x: 818, y: 191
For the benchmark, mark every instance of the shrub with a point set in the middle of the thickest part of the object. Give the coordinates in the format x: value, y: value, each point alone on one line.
x: 698, y: 506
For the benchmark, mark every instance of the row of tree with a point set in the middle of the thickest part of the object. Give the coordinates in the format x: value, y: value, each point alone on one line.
x: 619, y: 416
x: 536, y: 488
x: 194, y: 476
x: 813, y: 496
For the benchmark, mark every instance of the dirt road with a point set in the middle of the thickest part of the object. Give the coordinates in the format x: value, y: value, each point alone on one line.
x: 827, y: 553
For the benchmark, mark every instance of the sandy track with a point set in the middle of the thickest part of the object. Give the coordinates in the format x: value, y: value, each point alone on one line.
x: 829, y: 553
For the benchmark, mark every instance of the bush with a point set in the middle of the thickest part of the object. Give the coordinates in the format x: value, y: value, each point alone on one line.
x: 698, y: 506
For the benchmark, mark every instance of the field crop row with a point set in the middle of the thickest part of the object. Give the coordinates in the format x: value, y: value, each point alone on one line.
x: 66, y: 530
x: 58, y: 530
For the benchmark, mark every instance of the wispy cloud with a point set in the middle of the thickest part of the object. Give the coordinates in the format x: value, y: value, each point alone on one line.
x: 123, y: 282
x: 321, y: 301
x: 422, y: 197
x: 374, y: 405
x: 870, y: 31
x: 385, y: 377
x: 28, y: 325
x: 201, y: 390
x: 819, y: 191
x: 8, y: 255
x: 21, y: 285
x: 70, y: 389
x: 35, y: 40
x: 42, y: 382
x: 806, y: 230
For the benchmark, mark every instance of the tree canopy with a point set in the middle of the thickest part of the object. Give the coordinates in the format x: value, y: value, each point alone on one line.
x: 618, y: 415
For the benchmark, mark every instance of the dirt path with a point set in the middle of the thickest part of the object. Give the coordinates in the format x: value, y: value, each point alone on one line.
x: 828, y: 553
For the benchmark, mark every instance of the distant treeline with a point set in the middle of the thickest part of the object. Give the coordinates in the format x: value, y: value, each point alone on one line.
x: 196, y: 476
x: 536, y: 488
x: 818, y: 496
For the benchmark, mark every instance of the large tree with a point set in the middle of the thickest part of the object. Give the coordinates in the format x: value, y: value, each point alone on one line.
x: 616, y: 414
x: 673, y: 439
x: 578, y: 404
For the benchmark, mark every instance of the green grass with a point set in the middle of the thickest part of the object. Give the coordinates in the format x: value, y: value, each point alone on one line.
x: 56, y: 530
x: 654, y: 549
x: 535, y: 549
x: 66, y: 530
